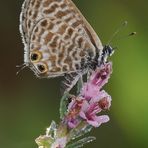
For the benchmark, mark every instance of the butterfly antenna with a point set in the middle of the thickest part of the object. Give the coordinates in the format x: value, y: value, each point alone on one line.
x: 129, y: 35
x: 21, y: 68
x: 123, y: 25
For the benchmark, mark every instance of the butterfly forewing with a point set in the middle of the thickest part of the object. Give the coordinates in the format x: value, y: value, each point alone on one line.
x: 57, y: 37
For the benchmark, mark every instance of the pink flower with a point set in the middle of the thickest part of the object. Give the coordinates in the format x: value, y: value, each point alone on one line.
x: 89, y: 111
x: 101, y: 75
x: 103, y: 100
x: 73, y: 111
x: 72, y: 122
x: 97, y: 80
x: 89, y: 91
x: 91, y: 100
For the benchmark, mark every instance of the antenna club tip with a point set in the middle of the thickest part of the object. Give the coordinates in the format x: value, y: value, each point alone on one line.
x: 125, y: 22
x: 133, y: 33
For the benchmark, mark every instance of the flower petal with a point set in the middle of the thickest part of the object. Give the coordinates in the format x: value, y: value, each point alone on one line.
x: 101, y: 75
x: 82, y: 115
x: 102, y: 119
x: 85, y: 106
x: 93, y: 123
x: 89, y: 91
x: 73, y: 123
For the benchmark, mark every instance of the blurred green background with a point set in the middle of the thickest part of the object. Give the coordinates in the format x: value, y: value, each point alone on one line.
x: 28, y: 105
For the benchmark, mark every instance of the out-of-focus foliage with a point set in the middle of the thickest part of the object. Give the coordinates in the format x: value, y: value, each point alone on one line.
x: 28, y: 105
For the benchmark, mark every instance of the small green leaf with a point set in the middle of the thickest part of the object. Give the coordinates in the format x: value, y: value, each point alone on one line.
x: 81, y: 142
x: 63, y: 105
x: 51, y: 131
x: 83, y: 131
x: 44, y: 141
x: 80, y: 130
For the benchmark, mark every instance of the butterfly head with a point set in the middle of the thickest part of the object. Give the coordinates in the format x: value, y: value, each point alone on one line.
x: 106, y: 52
x: 109, y: 50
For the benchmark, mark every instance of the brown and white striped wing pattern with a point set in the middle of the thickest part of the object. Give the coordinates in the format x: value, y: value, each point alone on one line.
x: 58, y: 40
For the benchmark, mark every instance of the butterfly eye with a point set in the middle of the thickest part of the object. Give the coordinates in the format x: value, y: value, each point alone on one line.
x: 35, y: 56
x: 42, y: 68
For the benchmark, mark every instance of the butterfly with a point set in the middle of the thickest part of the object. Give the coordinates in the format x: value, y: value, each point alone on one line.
x: 59, y: 41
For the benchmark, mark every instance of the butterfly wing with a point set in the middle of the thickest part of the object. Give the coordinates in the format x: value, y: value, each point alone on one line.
x: 59, y: 34
x: 91, y: 34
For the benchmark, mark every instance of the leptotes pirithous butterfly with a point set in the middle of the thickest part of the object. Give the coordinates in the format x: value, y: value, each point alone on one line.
x: 59, y: 41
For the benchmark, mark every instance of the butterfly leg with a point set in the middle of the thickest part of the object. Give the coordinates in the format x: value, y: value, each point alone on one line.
x: 69, y: 81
